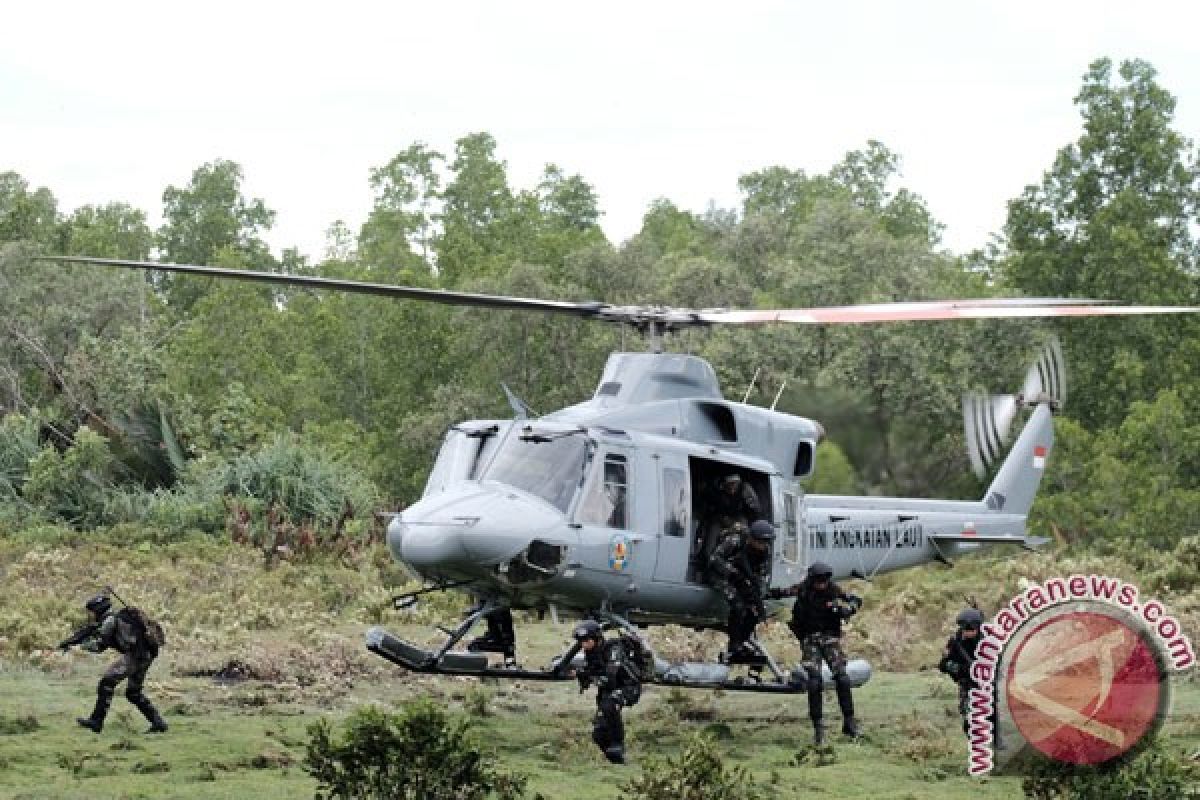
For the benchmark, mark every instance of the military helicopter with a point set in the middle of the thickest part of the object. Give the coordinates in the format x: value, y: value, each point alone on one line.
x: 597, y: 509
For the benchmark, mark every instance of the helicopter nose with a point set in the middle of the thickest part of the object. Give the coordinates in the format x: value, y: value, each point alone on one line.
x: 476, y: 527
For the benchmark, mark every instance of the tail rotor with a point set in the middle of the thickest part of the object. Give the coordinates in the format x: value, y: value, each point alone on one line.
x: 988, y: 419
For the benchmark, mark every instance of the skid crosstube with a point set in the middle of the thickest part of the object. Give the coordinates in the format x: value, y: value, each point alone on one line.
x: 417, y: 659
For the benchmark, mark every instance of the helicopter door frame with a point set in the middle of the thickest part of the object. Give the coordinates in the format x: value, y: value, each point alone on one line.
x: 673, y: 517
x: 622, y: 518
x: 795, y: 544
x: 792, y: 554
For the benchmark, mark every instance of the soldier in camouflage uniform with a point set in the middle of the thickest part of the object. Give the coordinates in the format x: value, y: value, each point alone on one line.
x: 821, y: 606
x: 126, y: 632
x: 733, y: 503
x: 959, y: 655
x: 740, y: 568
x: 610, y: 665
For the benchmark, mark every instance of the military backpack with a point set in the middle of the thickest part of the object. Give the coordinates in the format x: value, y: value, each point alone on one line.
x: 148, y: 635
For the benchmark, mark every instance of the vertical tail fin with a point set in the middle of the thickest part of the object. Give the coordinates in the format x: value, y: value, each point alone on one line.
x: 1016, y: 484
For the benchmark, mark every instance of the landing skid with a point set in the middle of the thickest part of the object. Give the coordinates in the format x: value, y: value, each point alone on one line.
x: 445, y: 662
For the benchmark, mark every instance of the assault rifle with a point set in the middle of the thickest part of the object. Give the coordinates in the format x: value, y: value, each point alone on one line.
x: 80, y: 636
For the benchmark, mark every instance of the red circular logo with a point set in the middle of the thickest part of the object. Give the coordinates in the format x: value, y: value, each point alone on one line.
x: 1084, y: 687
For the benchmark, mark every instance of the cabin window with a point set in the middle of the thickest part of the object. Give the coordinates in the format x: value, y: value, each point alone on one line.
x: 804, y: 460
x: 606, y: 503
x: 676, y: 502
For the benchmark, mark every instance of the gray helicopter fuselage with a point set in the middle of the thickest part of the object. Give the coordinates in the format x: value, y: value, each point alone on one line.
x: 602, y: 505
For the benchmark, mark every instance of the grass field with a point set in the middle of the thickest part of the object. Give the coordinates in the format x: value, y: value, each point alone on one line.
x: 296, y: 631
x: 246, y: 739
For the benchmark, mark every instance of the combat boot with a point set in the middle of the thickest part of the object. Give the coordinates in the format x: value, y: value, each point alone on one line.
x: 615, y: 754
x: 93, y: 725
x: 157, y: 724
x: 846, y: 703
x: 818, y: 732
x: 491, y: 643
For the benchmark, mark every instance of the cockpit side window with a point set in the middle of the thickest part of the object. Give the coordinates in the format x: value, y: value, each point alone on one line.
x: 606, y: 502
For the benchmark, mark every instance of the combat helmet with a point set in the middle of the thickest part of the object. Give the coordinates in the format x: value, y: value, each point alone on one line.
x: 819, y: 570
x: 762, y: 531
x: 98, y: 605
x: 970, y: 619
x: 588, y: 629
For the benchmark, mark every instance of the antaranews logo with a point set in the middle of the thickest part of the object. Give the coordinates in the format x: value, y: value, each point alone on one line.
x: 1075, y: 667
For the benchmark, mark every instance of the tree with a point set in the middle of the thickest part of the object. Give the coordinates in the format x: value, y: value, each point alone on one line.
x: 478, y: 206
x: 1113, y: 218
x: 85, y: 351
x: 400, y: 230
x: 565, y: 218
x: 668, y: 230
x: 116, y: 230
x: 205, y: 217
x: 25, y: 215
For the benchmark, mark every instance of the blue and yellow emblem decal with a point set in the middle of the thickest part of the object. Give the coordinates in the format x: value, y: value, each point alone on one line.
x: 618, y: 552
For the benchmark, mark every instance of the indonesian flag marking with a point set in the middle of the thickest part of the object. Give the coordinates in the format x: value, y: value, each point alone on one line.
x: 1039, y: 457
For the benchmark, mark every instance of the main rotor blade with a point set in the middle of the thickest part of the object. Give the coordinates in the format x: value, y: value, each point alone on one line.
x: 662, y: 318
x: 995, y: 308
x: 360, y: 287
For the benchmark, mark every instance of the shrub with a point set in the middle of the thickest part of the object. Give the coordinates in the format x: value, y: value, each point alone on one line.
x: 699, y: 773
x: 73, y: 485
x: 1152, y: 772
x: 302, y: 481
x: 418, y: 754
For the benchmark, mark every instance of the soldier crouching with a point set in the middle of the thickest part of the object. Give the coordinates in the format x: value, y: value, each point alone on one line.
x: 131, y: 634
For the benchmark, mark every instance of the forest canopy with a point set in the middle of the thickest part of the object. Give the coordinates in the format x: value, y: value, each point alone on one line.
x: 177, y: 400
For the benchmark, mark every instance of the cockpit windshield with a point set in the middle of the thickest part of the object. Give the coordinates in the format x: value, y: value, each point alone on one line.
x: 549, y: 467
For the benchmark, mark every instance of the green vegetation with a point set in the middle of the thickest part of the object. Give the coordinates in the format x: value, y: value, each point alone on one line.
x: 259, y: 649
x: 217, y: 450
x: 1154, y: 772
x: 418, y: 754
x: 141, y: 398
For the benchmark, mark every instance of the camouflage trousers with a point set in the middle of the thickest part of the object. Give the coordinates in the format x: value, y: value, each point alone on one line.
x: 131, y: 667
x: 818, y: 647
x: 964, y: 710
